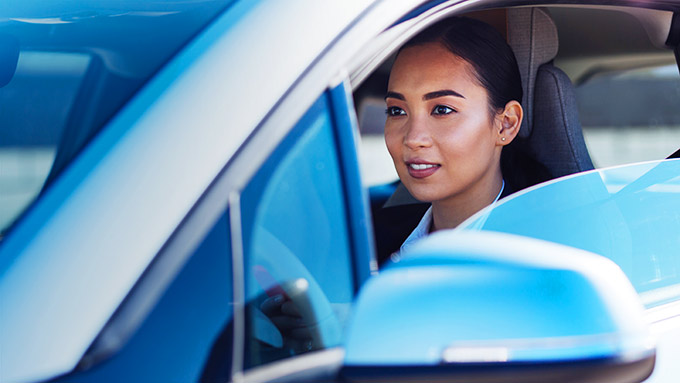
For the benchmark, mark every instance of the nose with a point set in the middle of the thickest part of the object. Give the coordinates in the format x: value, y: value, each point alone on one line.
x: 417, y: 134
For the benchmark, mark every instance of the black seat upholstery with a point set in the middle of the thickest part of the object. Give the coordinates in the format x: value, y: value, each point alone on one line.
x: 550, y: 143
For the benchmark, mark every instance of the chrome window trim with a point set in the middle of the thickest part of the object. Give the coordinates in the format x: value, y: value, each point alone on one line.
x: 324, y: 361
x: 663, y: 312
x: 238, y: 280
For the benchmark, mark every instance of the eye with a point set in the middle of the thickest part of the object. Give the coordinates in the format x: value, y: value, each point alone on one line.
x: 442, y: 110
x: 394, y: 111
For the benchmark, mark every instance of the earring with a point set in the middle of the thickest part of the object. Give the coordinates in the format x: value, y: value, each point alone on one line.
x: 502, y: 138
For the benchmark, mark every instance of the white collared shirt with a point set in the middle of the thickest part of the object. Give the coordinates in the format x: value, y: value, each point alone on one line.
x: 423, y: 228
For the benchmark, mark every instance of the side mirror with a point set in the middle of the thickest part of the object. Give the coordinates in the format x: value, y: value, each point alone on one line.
x: 490, y: 307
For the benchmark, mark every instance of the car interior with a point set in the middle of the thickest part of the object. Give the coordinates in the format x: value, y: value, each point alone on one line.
x: 600, y: 89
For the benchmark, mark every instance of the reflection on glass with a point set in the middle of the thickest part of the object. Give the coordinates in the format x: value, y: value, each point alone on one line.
x: 630, y: 214
x: 298, y: 274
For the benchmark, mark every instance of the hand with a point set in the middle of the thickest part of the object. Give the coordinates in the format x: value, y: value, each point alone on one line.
x: 285, y: 315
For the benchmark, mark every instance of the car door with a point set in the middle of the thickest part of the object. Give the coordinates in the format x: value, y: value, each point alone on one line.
x: 304, y: 243
x: 136, y: 220
x: 292, y: 230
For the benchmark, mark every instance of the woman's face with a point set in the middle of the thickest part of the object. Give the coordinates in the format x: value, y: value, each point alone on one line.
x: 439, y: 129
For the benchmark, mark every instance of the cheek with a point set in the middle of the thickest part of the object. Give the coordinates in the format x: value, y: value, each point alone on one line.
x: 471, y: 142
x: 393, y: 142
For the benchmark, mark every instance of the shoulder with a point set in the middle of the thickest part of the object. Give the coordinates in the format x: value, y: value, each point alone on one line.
x: 393, y: 225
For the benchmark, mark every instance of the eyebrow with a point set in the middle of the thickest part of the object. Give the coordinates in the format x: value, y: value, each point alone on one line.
x: 442, y: 93
x: 396, y: 95
x: 427, y: 96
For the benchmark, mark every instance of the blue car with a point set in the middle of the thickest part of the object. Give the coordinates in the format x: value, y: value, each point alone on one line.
x: 170, y: 169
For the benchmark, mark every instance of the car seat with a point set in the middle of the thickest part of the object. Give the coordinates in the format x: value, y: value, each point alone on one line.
x: 550, y: 143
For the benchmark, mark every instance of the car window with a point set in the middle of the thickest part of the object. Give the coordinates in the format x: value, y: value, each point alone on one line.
x: 62, y: 78
x: 298, y: 271
x: 628, y: 214
x: 631, y: 115
x: 28, y: 139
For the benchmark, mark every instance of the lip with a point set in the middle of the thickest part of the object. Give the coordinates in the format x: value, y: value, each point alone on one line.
x: 421, y: 173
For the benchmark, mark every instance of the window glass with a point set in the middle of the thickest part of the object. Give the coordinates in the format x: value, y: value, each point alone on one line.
x: 66, y: 69
x: 27, y: 145
x: 298, y: 272
x: 629, y: 214
x: 631, y: 115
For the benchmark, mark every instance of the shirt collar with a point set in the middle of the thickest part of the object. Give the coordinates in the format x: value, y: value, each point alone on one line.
x: 423, y: 228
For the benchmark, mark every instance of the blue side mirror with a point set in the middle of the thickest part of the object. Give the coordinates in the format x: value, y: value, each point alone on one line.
x: 9, y: 56
x: 491, y: 307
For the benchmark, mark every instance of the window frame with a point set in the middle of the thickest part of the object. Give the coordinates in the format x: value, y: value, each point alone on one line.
x: 348, y: 60
x: 325, y: 73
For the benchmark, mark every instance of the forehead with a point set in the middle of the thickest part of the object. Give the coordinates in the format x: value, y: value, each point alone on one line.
x: 429, y: 67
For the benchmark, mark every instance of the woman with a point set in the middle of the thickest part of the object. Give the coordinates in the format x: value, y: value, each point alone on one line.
x: 453, y: 103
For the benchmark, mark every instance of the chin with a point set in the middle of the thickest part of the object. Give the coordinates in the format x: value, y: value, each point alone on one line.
x: 422, y: 195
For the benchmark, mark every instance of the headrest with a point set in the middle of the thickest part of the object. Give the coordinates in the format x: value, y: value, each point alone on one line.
x: 9, y: 56
x: 533, y: 37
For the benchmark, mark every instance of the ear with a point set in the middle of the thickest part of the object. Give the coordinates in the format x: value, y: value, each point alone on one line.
x: 509, y: 121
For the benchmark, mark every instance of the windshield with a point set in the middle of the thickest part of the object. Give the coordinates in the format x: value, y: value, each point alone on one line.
x: 630, y: 214
x: 65, y: 69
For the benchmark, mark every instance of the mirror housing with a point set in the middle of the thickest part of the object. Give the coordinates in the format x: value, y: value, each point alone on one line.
x: 463, y: 306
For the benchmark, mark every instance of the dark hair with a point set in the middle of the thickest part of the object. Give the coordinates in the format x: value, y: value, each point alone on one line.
x: 485, y: 49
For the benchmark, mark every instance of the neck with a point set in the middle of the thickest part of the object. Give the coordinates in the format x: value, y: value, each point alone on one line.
x: 452, y: 211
